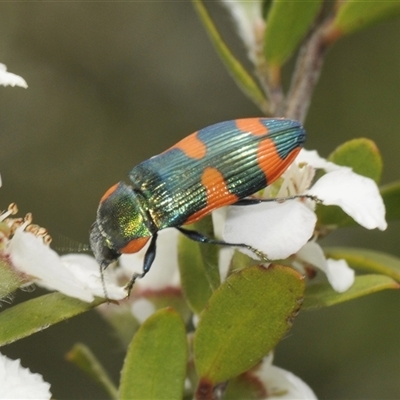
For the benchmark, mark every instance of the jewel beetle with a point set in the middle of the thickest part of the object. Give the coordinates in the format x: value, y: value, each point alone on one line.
x: 216, y: 166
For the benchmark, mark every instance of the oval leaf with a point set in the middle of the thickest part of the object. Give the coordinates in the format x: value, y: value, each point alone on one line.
x: 155, y: 364
x: 322, y: 295
x: 391, y: 197
x: 287, y: 24
x: 195, y: 285
x: 354, y: 15
x: 361, y: 155
x: 37, y: 314
x: 244, y: 320
x: 367, y: 260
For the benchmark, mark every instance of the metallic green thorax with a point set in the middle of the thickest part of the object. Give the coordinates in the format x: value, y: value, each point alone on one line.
x: 123, y: 217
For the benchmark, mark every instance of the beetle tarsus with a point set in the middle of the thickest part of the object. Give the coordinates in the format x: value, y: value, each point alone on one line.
x: 129, y: 285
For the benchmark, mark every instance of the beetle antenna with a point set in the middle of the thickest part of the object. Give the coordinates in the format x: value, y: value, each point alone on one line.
x: 103, y: 282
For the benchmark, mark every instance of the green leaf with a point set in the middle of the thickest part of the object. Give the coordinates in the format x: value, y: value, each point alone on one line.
x: 83, y: 357
x: 10, y: 281
x: 38, y: 314
x: 367, y: 260
x: 195, y: 285
x: 242, y: 78
x: 333, y: 217
x: 322, y: 295
x: 391, y: 197
x: 287, y: 24
x: 354, y: 15
x: 244, y: 320
x: 155, y: 364
x: 361, y: 155
x: 241, y: 260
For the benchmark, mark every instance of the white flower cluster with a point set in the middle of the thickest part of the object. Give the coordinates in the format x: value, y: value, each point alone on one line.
x: 280, y: 230
x: 287, y: 229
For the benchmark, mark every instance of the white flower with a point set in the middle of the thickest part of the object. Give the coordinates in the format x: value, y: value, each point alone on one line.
x: 24, y: 249
x: 17, y: 382
x: 357, y: 195
x: 280, y: 230
x: 74, y: 275
x: 250, y: 23
x: 280, y: 384
x: 23, y: 246
x: 10, y: 79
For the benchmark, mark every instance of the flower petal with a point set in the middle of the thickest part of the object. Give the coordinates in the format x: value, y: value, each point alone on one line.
x: 312, y: 253
x: 142, y: 309
x: 224, y: 261
x: 357, y: 195
x: 30, y: 256
x: 17, y: 382
x: 218, y: 217
x: 339, y: 274
x: 282, y: 384
x: 311, y: 157
x: 87, y: 271
x: 10, y: 79
x: 277, y: 229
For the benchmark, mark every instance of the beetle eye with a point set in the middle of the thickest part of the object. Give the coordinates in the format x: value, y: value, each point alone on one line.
x: 102, y: 250
x: 109, y: 255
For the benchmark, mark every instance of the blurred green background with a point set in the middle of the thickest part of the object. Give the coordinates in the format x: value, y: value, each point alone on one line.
x: 111, y: 84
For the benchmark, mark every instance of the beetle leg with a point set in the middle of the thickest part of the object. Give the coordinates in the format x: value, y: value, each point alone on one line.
x: 199, y: 237
x: 147, y: 263
x: 249, y: 201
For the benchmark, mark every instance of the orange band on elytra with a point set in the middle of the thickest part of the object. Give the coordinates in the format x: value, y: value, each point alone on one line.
x: 192, y: 146
x: 218, y: 194
x: 253, y: 126
x: 135, y: 245
x: 270, y: 161
x: 109, y: 192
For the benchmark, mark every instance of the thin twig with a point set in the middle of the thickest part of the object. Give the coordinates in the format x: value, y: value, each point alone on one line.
x: 270, y: 82
x: 306, y: 74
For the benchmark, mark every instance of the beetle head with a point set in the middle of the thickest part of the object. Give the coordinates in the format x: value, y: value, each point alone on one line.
x: 122, y: 224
